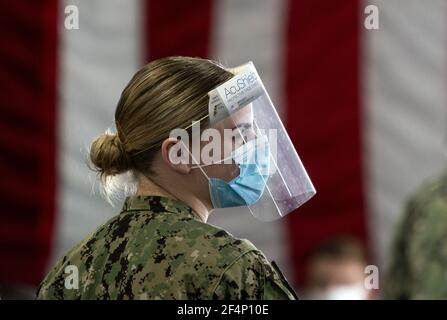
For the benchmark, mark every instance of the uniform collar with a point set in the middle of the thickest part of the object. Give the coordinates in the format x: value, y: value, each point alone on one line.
x: 158, y: 204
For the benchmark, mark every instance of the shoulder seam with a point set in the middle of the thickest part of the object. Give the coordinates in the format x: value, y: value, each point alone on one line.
x: 229, y: 266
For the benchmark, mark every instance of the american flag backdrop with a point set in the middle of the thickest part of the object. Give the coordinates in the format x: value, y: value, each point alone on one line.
x: 366, y: 110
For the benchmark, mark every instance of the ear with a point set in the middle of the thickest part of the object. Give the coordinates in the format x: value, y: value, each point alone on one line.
x: 175, y: 155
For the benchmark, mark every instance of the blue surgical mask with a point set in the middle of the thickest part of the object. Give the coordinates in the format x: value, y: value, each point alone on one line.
x: 247, y: 188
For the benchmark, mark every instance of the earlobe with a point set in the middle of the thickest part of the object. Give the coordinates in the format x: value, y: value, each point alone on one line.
x: 175, y: 155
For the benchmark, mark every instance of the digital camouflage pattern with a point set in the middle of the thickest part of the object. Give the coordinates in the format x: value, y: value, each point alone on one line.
x: 158, y: 248
x: 418, y: 267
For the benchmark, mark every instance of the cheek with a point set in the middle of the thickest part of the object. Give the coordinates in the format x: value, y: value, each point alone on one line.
x: 225, y: 172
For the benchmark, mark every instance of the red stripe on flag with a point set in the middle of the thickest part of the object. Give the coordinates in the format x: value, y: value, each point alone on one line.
x: 27, y: 190
x: 323, y: 110
x: 177, y: 27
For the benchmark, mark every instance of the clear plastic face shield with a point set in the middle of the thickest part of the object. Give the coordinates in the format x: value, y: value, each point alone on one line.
x: 246, y: 154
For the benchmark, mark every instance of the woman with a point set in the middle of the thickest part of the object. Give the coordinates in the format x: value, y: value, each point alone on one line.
x: 160, y: 246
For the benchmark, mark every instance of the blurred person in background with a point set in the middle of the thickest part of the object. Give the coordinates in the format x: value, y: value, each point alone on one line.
x: 418, y: 268
x: 336, y: 271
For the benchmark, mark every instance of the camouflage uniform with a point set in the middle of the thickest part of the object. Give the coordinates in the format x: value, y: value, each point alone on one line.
x: 158, y: 248
x: 418, y: 267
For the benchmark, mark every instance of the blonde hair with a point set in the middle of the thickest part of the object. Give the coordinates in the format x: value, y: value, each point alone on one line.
x: 165, y: 94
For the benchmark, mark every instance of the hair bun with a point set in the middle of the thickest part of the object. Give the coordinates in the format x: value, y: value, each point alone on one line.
x: 108, y: 155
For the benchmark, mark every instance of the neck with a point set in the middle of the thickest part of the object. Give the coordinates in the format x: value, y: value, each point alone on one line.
x: 147, y: 187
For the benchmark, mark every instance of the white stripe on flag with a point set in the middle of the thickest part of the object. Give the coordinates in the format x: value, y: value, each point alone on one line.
x: 96, y: 63
x: 405, y: 99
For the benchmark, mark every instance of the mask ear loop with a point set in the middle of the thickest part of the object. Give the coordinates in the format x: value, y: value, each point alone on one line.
x: 210, y: 164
